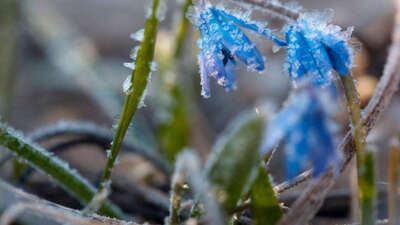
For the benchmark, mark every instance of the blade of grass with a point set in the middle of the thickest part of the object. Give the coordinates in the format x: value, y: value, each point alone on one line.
x: 367, y: 189
x: 20, y: 207
x: 57, y: 169
x: 139, y: 82
x: 393, y: 181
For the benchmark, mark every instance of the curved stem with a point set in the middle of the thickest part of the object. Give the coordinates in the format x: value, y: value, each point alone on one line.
x: 54, y: 167
x: 97, y: 135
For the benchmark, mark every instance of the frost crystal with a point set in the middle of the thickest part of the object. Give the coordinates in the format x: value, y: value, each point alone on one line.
x: 153, y: 66
x: 127, y: 85
x: 138, y: 35
x: 134, y: 52
x: 130, y: 65
x: 108, y: 153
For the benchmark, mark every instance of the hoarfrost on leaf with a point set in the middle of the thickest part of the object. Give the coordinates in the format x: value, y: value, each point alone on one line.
x: 161, y: 11
x: 153, y: 66
x: 134, y: 52
x: 138, y: 35
x: 127, y: 85
x: 130, y: 65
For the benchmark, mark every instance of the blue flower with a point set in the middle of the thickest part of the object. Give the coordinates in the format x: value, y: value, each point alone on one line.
x: 221, y: 41
x: 316, y: 49
x: 306, y: 127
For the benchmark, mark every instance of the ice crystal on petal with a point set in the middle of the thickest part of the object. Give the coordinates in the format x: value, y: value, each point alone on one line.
x: 305, y: 125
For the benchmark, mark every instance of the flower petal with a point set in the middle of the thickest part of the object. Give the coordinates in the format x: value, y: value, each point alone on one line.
x: 285, y: 121
x: 204, y: 79
x: 248, y: 24
x: 306, y: 55
x: 239, y: 44
x: 339, y: 54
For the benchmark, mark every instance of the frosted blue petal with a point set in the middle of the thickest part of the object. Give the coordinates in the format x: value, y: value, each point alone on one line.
x: 251, y: 25
x: 339, y: 54
x: 296, y: 151
x: 239, y: 44
x: 211, y: 49
x: 308, y: 140
x: 284, y: 122
x: 316, y: 49
x: 322, y: 152
x: 306, y: 55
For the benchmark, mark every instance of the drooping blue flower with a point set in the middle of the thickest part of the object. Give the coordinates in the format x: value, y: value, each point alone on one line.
x: 316, y: 48
x: 221, y: 41
x: 306, y: 128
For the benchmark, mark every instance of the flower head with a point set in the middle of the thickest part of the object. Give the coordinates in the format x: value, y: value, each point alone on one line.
x: 306, y: 127
x: 221, y: 41
x: 316, y: 49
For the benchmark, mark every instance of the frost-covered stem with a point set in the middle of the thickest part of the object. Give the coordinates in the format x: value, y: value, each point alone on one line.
x: 176, y: 196
x: 139, y: 83
x: 367, y: 189
x: 271, y: 6
x: 393, y: 181
x: 182, y: 28
x: 53, y: 167
x: 353, y: 101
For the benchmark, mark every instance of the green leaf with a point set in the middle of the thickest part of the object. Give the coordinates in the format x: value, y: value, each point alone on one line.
x: 233, y: 163
x: 265, y: 206
x: 54, y: 167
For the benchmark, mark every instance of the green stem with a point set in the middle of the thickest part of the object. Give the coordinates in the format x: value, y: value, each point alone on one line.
x: 182, y: 29
x: 55, y: 168
x: 8, y: 54
x: 353, y: 101
x: 367, y: 190
x: 392, y: 179
x: 176, y: 196
x: 139, y: 83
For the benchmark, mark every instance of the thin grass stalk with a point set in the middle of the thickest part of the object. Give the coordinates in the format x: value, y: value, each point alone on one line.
x: 353, y: 101
x: 139, y: 82
x: 182, y: 28
x: 367, y: 189
x: 393, y: 181
x: 176, y: 196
